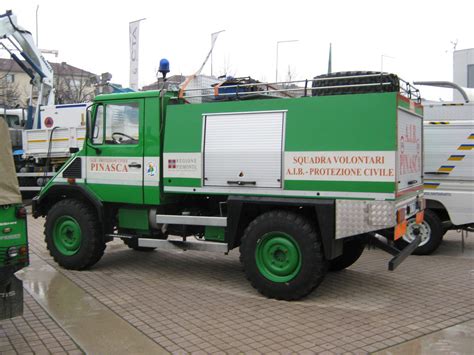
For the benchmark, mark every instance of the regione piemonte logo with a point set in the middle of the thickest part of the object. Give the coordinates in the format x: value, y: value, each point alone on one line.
x: 171, y: 163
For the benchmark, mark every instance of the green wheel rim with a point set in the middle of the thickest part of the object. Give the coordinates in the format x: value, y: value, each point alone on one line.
x: 67, y: 235
x: 278, y: 257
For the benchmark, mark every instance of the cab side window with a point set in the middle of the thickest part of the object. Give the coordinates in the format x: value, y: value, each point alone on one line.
x: 122, y: 123
x: 98, y: 133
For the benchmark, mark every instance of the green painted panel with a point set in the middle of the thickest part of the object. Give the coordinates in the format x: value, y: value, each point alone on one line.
x: 343, y: 123
x: 117, y: 193
x: 347, y: 186
x: 325, y: 123
x: 214, y: 233
x: 152, y: 195
x: 152, y: 145
x: 131, y: 218
x: 189, y: 182
x: 12, y: 233
x: 183, y: 132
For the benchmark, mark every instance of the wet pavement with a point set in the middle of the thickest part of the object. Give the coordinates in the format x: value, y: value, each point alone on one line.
x: 168, y: 301
x: 82, y: 316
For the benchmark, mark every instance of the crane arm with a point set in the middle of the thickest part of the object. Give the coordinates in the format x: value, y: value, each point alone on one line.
x: 33, y: 63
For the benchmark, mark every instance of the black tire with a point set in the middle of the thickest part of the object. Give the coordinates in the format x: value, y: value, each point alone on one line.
x: 360, y: 82
x: 351, y: 252
x: 92, y: 243
x: 132, y: 243
x: 312, y: 264
x: 434, y: 230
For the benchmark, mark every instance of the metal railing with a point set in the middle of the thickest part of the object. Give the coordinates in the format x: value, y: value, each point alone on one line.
x: 292, y: 89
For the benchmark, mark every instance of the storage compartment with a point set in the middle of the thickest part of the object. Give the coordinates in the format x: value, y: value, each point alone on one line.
x: 243, y: 149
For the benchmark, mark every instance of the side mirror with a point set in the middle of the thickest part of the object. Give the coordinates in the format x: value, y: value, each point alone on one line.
x: 73, y: 150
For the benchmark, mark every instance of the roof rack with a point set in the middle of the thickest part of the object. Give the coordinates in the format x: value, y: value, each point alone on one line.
x: 331, y: 84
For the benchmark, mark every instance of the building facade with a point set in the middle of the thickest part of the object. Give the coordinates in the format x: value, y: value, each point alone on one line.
x: 463, y: 70
x: 71, y: 84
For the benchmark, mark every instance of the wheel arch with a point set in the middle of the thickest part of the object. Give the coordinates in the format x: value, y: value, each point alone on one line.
x: 43, y: 202
x: 439, y: 208
x: 242, y: 210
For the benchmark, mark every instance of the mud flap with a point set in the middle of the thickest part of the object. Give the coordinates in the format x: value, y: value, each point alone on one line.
x: 11, y: 298
x: 398, y: 255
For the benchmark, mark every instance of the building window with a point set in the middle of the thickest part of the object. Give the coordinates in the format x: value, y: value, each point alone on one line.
x: 470, y: 76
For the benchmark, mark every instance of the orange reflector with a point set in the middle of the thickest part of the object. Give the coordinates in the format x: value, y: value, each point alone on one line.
x: 401, y: 214
x: 420, y: 216
x: 400, y: 230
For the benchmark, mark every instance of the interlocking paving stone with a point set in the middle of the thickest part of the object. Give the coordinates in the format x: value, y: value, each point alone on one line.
x: 201, y: 302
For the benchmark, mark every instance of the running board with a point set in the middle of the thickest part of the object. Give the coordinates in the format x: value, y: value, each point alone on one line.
x: 191, y: 220
x: 183, y: 245
x: 398, y: 255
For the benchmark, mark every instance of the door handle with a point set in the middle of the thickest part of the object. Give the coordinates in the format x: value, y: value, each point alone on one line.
x: 240, y: 183
x: 134, y: 165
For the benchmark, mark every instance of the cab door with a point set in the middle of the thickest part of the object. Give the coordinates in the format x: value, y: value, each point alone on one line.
x: 114, y: 162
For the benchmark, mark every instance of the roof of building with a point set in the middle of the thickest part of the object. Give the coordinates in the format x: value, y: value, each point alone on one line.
x: 174, y: 79
x: 60, y: 69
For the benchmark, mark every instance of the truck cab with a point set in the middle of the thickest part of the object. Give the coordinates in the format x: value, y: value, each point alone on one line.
x: 300, y: 183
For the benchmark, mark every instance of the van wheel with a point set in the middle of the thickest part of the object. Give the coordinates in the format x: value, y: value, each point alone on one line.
x: 351, y: 252
x: 73, y: 235
x: 431, y: 231
x: 282, y: 255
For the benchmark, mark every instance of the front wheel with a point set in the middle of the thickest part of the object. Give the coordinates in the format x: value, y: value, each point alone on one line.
x: 72, y: 235
x: 282, y: 255
x: 431, y: 231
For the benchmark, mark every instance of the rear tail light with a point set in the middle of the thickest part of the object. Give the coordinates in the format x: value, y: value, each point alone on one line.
x: 21, y: 212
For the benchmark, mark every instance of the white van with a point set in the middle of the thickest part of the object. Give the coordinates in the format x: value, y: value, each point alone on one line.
x: 448, y: 171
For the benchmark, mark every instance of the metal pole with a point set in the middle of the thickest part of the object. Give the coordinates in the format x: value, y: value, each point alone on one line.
x: 276, y: 64
x: 382, y: 56
x: 212, y: 43
x: 37, y: 8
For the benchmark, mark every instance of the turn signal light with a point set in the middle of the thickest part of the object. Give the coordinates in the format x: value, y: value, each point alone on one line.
x: 23, y: 250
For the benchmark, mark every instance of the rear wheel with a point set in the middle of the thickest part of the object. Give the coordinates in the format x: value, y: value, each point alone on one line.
x: 351, y: 252
x: 431, y: 231
x: 282, y: 255
x: 73, y: 235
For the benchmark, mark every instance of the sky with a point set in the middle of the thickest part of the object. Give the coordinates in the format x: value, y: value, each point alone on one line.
x: 414, y: 39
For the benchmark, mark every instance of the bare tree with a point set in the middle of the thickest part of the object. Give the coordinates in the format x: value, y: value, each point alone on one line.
x: 9, y: 92
x: 73, y: 88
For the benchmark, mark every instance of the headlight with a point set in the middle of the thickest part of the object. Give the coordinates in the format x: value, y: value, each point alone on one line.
x: 12, y: 252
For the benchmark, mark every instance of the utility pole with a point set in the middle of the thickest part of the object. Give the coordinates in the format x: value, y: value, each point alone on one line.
x: 382, y: 56
x: 37, y: 8
x: 277, y: 45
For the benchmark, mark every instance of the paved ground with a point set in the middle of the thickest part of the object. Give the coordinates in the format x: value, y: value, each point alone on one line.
x: 201, y: 302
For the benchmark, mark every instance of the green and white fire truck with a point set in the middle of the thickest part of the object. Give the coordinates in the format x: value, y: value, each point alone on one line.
x: 13, y: 232
x: 300, y: 178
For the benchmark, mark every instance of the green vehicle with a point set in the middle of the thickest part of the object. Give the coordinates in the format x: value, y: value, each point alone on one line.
x: 13, y: 232
x: 300, y: 179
